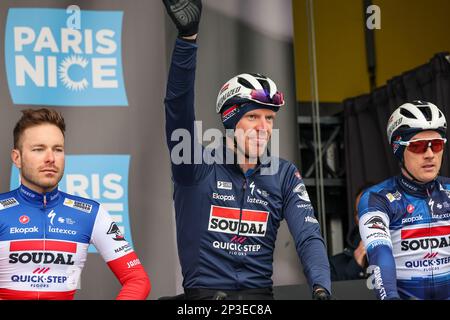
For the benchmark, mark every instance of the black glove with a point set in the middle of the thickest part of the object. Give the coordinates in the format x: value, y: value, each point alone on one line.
x: 185, y: 14
x: 320, y: 293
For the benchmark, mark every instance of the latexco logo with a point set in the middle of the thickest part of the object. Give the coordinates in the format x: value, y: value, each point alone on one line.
x: 51, y: 63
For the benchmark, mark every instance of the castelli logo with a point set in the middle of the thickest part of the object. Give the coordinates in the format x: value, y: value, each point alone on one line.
x: 24, y: 219
x: 410, y: 208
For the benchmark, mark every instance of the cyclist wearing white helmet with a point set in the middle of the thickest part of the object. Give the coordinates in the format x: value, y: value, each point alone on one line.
x: 228, y: 214
x: 405, y: 220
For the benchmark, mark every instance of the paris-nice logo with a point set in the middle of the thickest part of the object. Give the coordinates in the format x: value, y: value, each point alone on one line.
x: 64, y: 57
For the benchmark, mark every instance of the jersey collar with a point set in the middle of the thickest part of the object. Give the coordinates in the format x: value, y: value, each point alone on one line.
x: 48, y: 199
x: 416, y: 189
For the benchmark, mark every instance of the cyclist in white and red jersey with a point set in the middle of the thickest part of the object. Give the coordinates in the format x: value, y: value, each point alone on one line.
x: 45, y: 233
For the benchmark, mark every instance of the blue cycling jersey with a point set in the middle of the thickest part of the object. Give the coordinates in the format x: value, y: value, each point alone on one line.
x: 226, y: 221
x: 406, y: 230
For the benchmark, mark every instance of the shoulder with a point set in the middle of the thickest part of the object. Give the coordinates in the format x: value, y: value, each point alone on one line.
x: 386, y: 189
x: 283, y: 170
x: 379, y: 197
x: 284, y: 167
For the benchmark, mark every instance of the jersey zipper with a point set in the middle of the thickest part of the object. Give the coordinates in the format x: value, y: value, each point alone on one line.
x: 430, y: 211
x: 244, y: 189
x: 44, y: 208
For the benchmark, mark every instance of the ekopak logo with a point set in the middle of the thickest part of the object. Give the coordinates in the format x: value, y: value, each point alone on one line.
x: 48, y: 63
x: 103, y: 178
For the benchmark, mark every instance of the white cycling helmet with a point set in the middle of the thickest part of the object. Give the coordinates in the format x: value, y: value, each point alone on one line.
x: 249, y: 87
x: 415, y: 117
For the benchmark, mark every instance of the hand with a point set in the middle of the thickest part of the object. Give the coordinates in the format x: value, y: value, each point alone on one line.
x: 185, y: 14
x: 360, y: 255
x: 320, y: 293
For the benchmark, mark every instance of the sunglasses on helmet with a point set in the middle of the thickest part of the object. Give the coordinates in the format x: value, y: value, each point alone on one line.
x: 422, y: 145
x: 262, y: 97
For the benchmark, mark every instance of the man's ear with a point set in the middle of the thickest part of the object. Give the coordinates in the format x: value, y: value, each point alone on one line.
x: 16, y: 158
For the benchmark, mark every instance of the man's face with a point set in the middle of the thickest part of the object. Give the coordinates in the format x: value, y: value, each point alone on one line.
x: 40, y: 157
x: 253, y: 132
x: 424, y: 166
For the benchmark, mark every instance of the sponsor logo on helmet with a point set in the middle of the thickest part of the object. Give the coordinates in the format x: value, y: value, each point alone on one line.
x: 394, y: 125
x: 230, y: 113
x: 390, y: 119
x: 228, y: 94
x: 225, y: 87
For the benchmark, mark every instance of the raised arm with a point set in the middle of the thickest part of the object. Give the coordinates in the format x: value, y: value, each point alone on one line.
x: 187, y: 169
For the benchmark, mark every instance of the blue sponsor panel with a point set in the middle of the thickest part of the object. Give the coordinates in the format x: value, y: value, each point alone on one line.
x: 48, y: 63
x: 103, y: 178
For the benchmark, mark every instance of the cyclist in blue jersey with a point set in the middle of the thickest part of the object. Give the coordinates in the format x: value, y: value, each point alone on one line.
x: 405, y: 220
x: 228, y: 212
